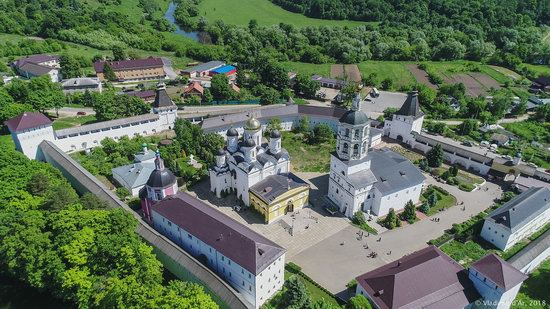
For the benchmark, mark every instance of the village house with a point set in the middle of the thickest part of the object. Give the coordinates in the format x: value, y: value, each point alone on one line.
x: 202, y: 70
x: 194, y: 88
x: 133, y: 70
x: 147, y: 95
x: 39, y: 65
x: 541, y: 84
x: 81, y: 84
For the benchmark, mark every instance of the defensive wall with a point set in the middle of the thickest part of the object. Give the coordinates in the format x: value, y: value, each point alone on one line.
x: 175, y: 259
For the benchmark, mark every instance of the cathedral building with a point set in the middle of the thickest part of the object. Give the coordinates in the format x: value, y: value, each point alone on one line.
x: 372, y: 181
x: 248, y: 162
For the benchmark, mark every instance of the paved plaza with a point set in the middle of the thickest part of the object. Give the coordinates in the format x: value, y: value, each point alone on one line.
x: 311, y: 224
x: 343, y: 256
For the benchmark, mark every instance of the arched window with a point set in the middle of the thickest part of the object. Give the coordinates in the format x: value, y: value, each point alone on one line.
x: 356, y: 149
x: 345, y: 148
x: 365, y: 131
x: 364, y: 147
x: 356, y: 133
x: 347, y: 132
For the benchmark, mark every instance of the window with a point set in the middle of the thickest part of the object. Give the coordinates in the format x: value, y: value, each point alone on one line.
x: 345, y: 148
x: 356, y: 149
x: 347, y: 132
x: 249, y: 276
x: 229, y: 262
x: 223, y: 258
x: 250, y: 288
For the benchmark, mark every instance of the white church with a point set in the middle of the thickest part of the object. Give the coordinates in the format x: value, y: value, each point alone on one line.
x: 370, y: 180
x: 247, y: 162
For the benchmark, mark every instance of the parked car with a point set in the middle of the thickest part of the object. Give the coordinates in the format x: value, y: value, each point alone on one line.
x: 493, y: 147
x: 81, y: 113
x: 484, y: 144
x: 237, y: 208
x: 467, y: 143
x: 532, y: 165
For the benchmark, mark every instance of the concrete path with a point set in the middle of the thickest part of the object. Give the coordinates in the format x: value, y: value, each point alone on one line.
x: 341, y: 257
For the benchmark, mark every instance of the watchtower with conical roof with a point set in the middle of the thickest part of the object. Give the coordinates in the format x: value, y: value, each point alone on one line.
x: 406, y: 120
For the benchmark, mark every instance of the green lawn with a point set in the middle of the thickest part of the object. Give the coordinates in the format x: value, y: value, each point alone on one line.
x: 7, y: 140
x: 534, y: 291
x: 448, y: 68
x: 265, y: 12
x: 314, y: 292
x: 305, y: 157
x: 464, y: 253
x: 70, y: 122
x: 444, y: 201
x: 539, y: 69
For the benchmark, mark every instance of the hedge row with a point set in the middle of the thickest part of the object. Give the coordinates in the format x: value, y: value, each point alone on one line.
x: 293, y: 268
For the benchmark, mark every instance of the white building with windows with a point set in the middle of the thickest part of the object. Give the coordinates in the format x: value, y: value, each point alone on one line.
x: 244, y: 163
x: 29, y: 129
x: 407, y: 120
x: 370, y: 181
x: 249, y: 262
x: 519, y: 218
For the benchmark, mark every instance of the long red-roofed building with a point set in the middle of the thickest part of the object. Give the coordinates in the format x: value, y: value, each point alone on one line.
x: 135, y: 69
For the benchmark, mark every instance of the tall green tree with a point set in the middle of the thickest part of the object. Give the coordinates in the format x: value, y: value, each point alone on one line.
x: 435, y: 156
x: 358, y: 302
x: 108, y: 73
x: 70, y: 66
x: 296, y: 295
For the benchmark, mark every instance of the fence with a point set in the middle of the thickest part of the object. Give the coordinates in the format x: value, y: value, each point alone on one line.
x: 175, y: 259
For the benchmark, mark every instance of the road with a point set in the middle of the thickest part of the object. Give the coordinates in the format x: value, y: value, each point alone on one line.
x: 504, y: 120
x: 338, y: 259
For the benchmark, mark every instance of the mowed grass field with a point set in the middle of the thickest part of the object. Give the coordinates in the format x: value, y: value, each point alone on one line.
x: 266, y: 13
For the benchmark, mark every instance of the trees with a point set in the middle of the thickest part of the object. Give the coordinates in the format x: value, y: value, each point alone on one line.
x: 391, y: 219
x: 268, y: 96
x: 322, y: 133
x: 70, y: 66
x: 435, y: 156
x: 274, y: 124
x: 387, y: 84
x: 305, y: 86
x: 220, y: 89
x: 296, y: 295
x: 468, y: 126
x: 358, y: 302
x: 303, y: 125
x: 108, y: 73
x: 109, y: 105
x: 409, y: 213
x: 542, y: 113
x: 119, y: 53
x: 359, y: 218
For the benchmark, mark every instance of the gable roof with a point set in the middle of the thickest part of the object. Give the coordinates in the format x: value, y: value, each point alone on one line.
x: 194, y: 86
x: 521, y: 209
x: 427, y: 278
x: 133, y: 64
x: 162, y: 99
x: 274, y: 186
x: 80, y: 82
x: 504, y: 275
x: 27, y: 120
x: 204, y: 66
x: 134, y: 175
x: 411, y: 107
x: 242, y: 245
x: 543, y: 81
x: 35, y: 59
x: 35, y: 69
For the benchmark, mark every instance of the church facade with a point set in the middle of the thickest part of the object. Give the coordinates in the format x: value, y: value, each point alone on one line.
x: 368, y: 180
x: 249, y: 163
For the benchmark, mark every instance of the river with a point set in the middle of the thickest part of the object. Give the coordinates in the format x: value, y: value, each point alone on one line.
x: 198, y: 36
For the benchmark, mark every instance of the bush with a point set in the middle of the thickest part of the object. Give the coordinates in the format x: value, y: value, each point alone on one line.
x: 352, y: 284
x: 359, y: 218
x: 293, y: 268
x: 122, y: 193
x: 466, y: 187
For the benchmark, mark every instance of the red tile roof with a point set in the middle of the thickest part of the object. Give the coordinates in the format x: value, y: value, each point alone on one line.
x: 26, y: 121
x: 499, y: 271
x: 134, y: 64
x: 425, y: 278
x: 194, y: 86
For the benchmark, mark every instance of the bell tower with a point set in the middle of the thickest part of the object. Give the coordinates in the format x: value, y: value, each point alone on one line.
x: 353, y: 133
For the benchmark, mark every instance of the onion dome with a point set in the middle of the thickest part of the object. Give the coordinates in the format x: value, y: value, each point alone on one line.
x: 220, y: 152
x: 161, y: 177
x: 232, y: 132
x: 275, y: 134
x: 252, y: 124
x: 249, y: 143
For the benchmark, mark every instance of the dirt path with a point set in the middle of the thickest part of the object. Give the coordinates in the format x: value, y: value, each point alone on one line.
x: 420, y: 75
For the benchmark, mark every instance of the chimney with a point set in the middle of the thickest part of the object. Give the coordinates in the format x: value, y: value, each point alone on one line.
x: 398, y: 263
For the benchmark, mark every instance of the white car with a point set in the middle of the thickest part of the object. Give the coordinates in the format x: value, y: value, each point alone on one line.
x: 532, y: 165
x: 494, y: 147
x: 484, y: 144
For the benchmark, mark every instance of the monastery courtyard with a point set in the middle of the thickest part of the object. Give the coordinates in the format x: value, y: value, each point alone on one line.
x: 330, y: 250
x: 311, y: 224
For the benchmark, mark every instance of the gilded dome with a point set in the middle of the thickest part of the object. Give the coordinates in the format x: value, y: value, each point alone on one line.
x: 252, y: 124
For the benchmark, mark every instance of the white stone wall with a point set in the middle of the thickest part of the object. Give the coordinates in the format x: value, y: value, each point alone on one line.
x: 454, y: 159
x: 90, y: 140
x: 395, y: 200
x: 27, y: 141
x: 255, y: 289
x: 501, y: 237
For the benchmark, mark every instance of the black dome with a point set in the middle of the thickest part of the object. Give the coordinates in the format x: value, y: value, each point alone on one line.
x: 249, y: 143
x: 354, y: 117
x: 232, y: 132
x: 161, y: 179
x: 220, y: 152
x: 275, y: 134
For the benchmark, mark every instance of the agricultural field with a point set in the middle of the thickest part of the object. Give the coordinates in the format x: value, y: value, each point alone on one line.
x: 265, y: 12
x: 539, y: 69
x: 420, y: 75
x: 394, y: 70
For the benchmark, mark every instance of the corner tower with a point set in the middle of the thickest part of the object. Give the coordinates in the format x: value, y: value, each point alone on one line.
x: 28, y: 130
x: 407, y: 120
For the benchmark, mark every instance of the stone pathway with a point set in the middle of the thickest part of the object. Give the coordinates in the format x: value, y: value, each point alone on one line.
x: 341, y: 257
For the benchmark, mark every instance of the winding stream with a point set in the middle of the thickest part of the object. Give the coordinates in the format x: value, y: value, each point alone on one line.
x: 197, y: 36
